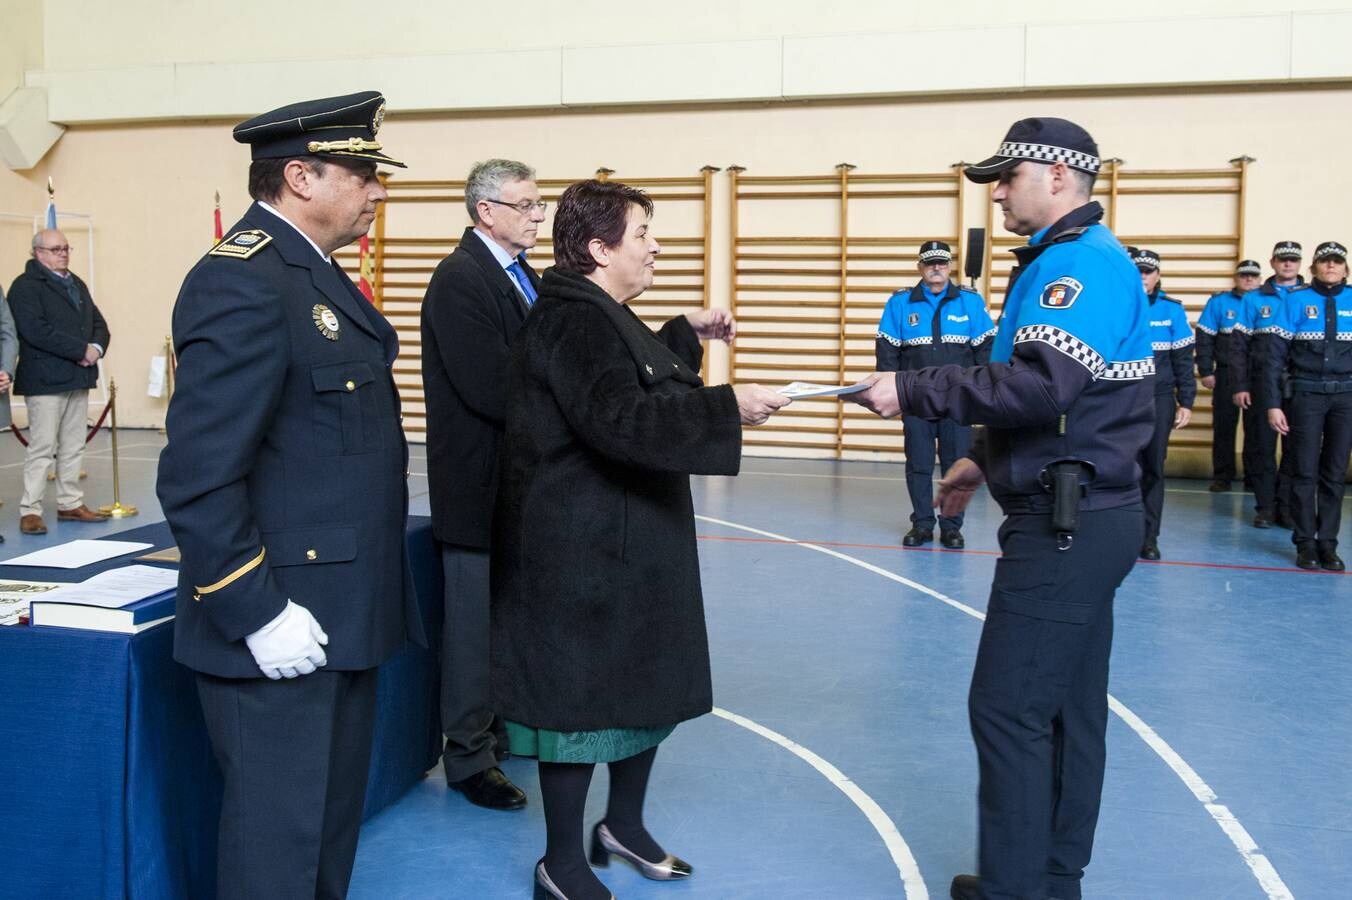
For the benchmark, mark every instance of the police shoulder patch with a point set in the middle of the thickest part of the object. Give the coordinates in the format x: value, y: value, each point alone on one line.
x: 242, y: 244
x: 1061, y: 293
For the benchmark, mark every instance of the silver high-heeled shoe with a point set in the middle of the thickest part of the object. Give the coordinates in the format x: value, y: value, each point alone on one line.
x: 670, y: 868
x: 545, y: 888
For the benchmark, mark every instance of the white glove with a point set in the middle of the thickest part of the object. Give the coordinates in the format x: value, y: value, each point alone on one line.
x: 289, y: 645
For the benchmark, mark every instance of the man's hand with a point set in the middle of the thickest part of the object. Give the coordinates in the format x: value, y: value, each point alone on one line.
x: 880, y: 396
x: 91, y: 356
x: 1277, y: 419
x: 1209, y: 382
x: 957, y: 487
x: 756, y: 403
x: 1243, y: 399
x: 5, y: 381
x: 1182, y: 417
x: 713, y: 325
x: 290, y: 644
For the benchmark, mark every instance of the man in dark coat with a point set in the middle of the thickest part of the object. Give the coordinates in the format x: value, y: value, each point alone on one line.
x: 62, y: 336
x: 284, y: 484
x: 476, y: 301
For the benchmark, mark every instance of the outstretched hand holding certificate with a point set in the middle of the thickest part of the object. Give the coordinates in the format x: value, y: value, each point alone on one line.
x: 799, y: 390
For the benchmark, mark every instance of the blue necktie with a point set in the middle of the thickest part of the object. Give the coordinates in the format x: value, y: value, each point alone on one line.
x: 522, y: 279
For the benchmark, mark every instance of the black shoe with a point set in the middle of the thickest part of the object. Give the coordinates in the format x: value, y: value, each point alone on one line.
x: 490, y: 789
x: 966, y: 887
x: 1261, y: 520
x: 1219, y: 487
x: 545, y: 888
x: 1307, y: 557
x: 952, y: 539
x: 1283, y: 519
x: 668, y: 868
x: 1150, y: 551
x: 917, y: 536
x: 1331, y: 561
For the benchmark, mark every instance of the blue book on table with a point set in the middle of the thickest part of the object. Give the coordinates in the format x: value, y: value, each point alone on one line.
x: 130, y: 619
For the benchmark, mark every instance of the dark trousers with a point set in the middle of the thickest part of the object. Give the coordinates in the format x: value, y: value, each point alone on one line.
x: 1224, y: 419
x: 473, y: 733
x: 1286, y: 469
x: 294, y: 755
x: 1318, y: 446
x: 921, y: 434
x: 1151, y: 460
x: 1260, y: 454
x: 1038, y: 702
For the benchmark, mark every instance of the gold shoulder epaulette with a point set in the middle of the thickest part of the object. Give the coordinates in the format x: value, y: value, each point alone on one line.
x: 242, y: 244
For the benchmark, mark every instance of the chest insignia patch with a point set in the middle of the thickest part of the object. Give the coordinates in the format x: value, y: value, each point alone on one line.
x: 242, y: 244
x: 1264, y: 312
x: 1229, y: 314
x: 325, y: 321
x: 913, y: 319
x: 1061, y: 293
x: 1311, y: 312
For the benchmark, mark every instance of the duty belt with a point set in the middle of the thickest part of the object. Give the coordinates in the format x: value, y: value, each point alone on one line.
x: 1312, y: 386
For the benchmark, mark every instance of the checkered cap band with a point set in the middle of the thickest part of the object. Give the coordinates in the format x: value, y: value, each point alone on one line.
x: 1249, y: 267
x: 936, y: 255
x: 1046, y: 153
x: 1330, y: 248
x: 1146, y: 259
x: 1066, y: 343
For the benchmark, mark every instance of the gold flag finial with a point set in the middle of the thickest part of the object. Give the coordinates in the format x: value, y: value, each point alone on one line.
x: 51, y: 191
x: 218, y: 199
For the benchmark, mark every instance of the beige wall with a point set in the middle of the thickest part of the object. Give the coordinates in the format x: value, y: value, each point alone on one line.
x: 149, y: 188
x: 20, y: 42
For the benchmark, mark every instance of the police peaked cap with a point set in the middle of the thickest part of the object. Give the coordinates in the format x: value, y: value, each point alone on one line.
x: 334, y: 128
x: 1286, y: 250
x: 1249, y: 267
x: 1046, y: 141
x: 1330, y: 248
x: 1145, y: 259
x: 935, y: 252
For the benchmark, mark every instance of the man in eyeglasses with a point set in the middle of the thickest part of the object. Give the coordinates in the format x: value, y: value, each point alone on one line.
x: 476, y: 301
x: 62, y: 335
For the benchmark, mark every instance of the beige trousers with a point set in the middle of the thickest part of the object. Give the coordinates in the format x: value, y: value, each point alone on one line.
x: 56, y: 425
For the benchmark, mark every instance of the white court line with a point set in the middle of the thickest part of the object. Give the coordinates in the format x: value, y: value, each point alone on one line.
x: 911, y: 879
x: 1258, y: 863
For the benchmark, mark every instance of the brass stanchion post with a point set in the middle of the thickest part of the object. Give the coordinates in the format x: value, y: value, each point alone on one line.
x: 117, y: 510
x: 168, y: 378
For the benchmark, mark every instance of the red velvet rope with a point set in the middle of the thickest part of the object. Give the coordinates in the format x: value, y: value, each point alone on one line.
x: 107, y: 407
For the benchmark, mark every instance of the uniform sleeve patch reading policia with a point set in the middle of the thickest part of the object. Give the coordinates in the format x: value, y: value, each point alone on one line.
x: 1061, y: 293
x: 242, y: 244
x: 325, y: 321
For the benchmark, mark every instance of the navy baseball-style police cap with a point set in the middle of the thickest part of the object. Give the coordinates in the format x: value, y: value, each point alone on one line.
x: 1148, y: 260
x: 335, y: 127
x: 1248, y: 267
x: 1045, y: 141
x: 1330, y: 249
x: 1286, y: 250
x: 935, y: 252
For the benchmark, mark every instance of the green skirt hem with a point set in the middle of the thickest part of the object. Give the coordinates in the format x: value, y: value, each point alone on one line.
x: 603, y: 746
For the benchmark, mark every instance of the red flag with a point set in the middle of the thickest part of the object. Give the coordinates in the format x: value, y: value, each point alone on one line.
x: 219, y: 233
x: 366, y: 265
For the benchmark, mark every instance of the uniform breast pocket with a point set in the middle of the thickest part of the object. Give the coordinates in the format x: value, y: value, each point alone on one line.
x: 346, y: 410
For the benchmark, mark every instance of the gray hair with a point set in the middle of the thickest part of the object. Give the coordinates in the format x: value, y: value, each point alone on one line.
x: 486, y: 179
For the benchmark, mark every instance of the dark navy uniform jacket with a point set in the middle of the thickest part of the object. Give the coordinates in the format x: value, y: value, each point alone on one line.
x: 1249, y: 349
x: 1071, y: 373
x: 285, y: 471
x: 918, y: 329
x: 1215, y: 330
x: 1312, y: 341
x: 1171, y: 339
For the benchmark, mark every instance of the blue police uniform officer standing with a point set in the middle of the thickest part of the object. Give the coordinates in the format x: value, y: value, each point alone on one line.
x: 1215, y: 333
x: 283, y: 482
x: 934, y: 323
x: 1172, y: 340
x: 1311, y: 344
x: 1067, y: 404
x: 1248, y: 359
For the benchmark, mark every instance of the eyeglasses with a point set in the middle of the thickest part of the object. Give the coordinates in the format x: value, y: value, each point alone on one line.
x: 525, y: 207
x: 64, y: 248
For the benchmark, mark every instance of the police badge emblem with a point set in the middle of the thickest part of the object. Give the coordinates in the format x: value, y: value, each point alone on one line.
x: 1061, y: 293
x: 1264, y: 312
x: 1229, y: 314
x: 325, y: 321
x: 913, y: 319
x: 1311, y: 312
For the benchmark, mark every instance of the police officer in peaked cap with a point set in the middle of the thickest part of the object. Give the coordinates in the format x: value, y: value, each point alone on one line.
x: 1067, y: 406
x: 283, y: 482
x: 1311, y: 344
x: 1214, y: 336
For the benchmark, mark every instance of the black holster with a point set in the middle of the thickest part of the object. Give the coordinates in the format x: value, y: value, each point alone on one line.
x: 1068, y: 481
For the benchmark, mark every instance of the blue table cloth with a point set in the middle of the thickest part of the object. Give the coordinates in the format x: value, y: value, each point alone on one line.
x: 111, y: 790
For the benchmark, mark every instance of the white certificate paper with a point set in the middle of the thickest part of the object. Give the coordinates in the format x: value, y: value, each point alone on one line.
x: 75, y: 554
x: 799, y: 390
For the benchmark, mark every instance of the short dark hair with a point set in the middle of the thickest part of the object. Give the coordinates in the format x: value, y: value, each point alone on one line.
x: 590, y: 210
x: 266, y: 176
x: 1084, y: 180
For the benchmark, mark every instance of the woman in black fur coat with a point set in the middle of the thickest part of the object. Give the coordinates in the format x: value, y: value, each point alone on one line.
x: 598, y: 638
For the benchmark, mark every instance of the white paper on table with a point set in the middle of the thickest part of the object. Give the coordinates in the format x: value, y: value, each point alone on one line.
x: 16, y: 595
x: 74, y: 554
x: 799, y: 390
x: 116, y: 588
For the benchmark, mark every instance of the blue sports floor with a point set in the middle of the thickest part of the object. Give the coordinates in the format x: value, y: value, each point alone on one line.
x: 838, y: 762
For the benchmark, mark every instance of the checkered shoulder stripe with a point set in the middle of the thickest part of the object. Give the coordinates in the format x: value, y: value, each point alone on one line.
x: 1049, y: 154
x: 1066, y: 343
x: 953, y: 338
x: 984, y: 336
x: 1181, y: 343
x: 1134, y: 370
x: 919, y: 341
x: 1206, y: 329
x: 1344, y: 336
x: 895, y: 342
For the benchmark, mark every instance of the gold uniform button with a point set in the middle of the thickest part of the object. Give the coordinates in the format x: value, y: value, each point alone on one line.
x: 310, y: 554
x: 351, y: 385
